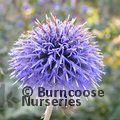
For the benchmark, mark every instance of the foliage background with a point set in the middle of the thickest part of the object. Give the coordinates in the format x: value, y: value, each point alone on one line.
x: 103, y: 17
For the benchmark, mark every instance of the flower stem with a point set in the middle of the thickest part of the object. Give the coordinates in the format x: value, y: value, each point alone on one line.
x: 48, y: 112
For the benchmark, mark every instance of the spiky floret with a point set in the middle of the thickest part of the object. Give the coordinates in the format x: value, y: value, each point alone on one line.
x: 57, y: 54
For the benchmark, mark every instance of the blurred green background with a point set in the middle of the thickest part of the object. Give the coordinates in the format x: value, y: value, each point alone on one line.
x: 103, y: 17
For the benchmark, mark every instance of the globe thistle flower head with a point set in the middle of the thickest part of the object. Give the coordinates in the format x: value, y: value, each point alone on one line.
x: 57, y: 54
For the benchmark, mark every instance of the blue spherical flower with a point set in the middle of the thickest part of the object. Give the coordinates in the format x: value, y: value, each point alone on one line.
x: 20, y: 23
x: 84, y: 8
x: 57, y: 54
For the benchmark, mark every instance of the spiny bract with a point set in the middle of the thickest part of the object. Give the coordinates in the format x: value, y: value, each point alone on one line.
x: 57, y: 54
